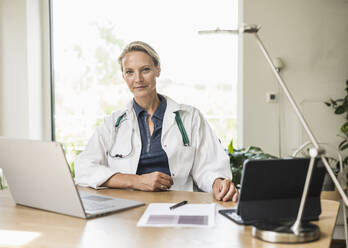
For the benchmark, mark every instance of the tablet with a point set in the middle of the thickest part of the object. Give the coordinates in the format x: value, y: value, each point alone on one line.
x: 272, y: 189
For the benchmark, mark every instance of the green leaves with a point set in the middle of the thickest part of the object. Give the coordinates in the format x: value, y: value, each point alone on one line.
x: 238, y: 157
x: 340, y: 110
x: 230, y: 147
x: 340, y: 106
x: 344, y: 128
x: 72, y: 169
x: 344, y: 147
x: 342, y: 144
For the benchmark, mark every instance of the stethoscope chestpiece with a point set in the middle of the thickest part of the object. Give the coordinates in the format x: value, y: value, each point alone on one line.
x: 114, y: 156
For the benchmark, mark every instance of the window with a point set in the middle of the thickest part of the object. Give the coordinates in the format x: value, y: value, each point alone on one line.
x: 88, y: 37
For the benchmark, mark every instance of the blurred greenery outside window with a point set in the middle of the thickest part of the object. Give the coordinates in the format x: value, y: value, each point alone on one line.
x: 88, y: 37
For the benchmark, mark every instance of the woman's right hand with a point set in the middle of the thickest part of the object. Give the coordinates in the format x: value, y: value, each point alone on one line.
x: 155, y: 181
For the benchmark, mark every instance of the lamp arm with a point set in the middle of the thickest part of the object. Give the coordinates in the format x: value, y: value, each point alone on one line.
x: 301, y: 117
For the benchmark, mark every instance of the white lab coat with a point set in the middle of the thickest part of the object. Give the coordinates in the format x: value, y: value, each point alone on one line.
x: 203, y: 160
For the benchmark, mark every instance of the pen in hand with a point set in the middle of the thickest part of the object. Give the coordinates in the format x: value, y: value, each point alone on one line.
x: 178, y: 205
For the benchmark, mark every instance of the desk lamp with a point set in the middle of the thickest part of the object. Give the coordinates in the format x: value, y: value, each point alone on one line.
x: 297, y: 231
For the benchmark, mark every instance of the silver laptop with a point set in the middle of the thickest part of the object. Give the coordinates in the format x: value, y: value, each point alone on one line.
x: 39, y: 176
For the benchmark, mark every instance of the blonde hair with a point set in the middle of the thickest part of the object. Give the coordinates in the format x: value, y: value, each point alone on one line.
x: 142, y: 47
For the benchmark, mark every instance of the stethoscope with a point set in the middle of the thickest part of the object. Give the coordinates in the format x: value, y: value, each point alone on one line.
x: 118, y: 122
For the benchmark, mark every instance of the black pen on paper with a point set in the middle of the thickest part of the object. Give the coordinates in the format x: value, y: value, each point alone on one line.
x: 178, y: 205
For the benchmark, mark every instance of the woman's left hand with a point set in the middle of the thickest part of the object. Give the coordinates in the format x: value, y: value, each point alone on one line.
x: 224, y: 190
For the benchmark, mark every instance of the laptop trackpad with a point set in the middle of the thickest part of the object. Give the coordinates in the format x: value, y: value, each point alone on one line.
x: 99, y: 204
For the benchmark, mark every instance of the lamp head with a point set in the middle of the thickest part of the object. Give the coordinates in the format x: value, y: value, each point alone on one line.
x: 245, y: 28
x: 249, y: 28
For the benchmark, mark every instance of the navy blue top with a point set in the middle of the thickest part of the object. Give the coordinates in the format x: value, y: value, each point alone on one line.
x: 153, y: 157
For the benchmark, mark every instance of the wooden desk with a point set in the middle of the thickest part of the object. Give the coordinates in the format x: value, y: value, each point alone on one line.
x: 26, y: 227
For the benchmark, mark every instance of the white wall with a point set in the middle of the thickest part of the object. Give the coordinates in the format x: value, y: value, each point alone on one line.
x: 1, y: 73
x: 14, y: 97
x: 312, y: 39
x: 24, y: 81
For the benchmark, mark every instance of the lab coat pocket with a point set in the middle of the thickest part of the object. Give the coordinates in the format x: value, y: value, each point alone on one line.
x: 181, y: 163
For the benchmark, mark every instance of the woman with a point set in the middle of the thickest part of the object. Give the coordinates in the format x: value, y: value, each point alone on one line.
x: 154, y: 144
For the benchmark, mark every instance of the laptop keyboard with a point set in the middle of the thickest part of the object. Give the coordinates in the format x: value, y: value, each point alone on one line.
x: 95, y: 206
x: 236, y: 217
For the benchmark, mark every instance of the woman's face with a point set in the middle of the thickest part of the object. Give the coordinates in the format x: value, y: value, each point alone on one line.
x: 140, y: 73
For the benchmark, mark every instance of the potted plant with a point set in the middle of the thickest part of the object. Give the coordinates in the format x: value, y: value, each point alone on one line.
x: 340, y: 107
x: 2, y: 180
x: 238, y: 156
x: 1, y: 186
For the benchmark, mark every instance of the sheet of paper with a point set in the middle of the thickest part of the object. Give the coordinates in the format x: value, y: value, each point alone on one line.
x: 189, y: 215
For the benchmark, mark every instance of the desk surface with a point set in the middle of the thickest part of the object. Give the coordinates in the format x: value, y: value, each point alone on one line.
x: 26, y: 227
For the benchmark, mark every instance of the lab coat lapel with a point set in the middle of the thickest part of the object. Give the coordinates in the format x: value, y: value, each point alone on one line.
x: 132, y: 118
x: 169, y: 116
